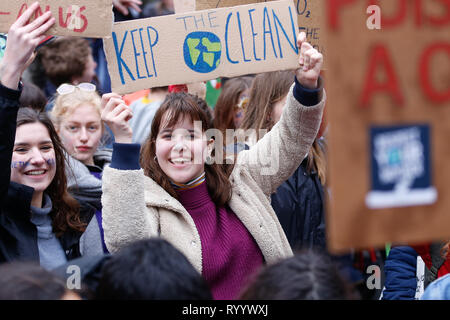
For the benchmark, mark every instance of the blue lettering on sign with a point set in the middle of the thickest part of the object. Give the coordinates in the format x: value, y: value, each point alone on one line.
x: 141, y: 48
x: 202, y: 51
x: 292, y: 44
x: 268, y: 31
x: 226, y: 40
x: 253, y: 33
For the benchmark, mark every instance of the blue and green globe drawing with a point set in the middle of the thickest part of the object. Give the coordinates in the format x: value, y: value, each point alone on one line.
x: 202, y: 51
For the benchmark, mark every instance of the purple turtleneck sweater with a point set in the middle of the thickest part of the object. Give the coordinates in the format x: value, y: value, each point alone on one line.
x: 230, y: 255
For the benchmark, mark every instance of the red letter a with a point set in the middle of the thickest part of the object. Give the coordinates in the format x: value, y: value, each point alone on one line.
x: 380, y: 59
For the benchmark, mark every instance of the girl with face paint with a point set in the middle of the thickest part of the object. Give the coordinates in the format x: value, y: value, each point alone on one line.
x: 39, y: 220
x: 223, y: 223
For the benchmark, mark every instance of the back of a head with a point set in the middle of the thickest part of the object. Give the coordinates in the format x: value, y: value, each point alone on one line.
x: 64, y: 59
x: 32, y: 97
x: 29, y: 281
x: 306, y: 276
x: 151, y: 269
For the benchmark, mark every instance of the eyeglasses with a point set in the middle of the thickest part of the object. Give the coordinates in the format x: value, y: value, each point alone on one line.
x: 66, y: 88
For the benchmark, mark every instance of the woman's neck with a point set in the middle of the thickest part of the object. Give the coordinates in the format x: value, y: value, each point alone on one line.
x: 36, y: 200
x: 190, y: 184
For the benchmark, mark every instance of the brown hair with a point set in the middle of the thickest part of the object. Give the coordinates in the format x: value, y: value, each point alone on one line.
x: 228, y: 100
x: 175, y: 107
x: 66, y: 210
x: 65, y: 58
x: 32, y: 97
x: 267, y: 89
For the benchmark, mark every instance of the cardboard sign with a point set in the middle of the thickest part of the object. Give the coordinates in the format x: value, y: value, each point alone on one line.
x: 309, y: 13
x: 389, y: 114
x: 182, y: 6
x: 202, y: 45
x: 81, y: 18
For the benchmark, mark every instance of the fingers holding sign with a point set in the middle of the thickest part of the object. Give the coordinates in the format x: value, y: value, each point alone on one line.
x: 310, y: 61
x: 23, y: 37
x: 123, y: 5
x: 116, y: 114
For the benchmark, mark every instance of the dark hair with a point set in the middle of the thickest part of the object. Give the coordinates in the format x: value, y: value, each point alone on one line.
x: 151, y: 269
x: 29, y: 281
x: 66, y: 210
x: 65, y: 58
x: 179, y: 105
x: 306, y: 276
x: 32, y: 97
x: 228, y: 101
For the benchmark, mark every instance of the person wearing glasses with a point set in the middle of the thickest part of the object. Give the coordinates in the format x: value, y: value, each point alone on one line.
x: 39, y: 220
x: 77, y: 118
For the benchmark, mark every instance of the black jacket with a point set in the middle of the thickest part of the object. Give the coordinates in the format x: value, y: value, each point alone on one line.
x: 18, y: 235
x: 299, y: 205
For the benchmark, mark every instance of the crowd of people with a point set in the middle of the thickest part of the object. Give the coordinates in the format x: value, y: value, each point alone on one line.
x: 159, y: 196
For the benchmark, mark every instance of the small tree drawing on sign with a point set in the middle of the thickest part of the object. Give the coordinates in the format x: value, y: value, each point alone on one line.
x: 400, y: 158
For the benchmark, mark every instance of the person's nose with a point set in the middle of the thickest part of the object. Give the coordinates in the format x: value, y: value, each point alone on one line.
x: 179, y: 144
x: 84, y: 136
x: 37, y: 159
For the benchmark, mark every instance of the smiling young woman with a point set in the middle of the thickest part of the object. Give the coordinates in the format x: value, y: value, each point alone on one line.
x: 224, y: 224
x: 39, y: 220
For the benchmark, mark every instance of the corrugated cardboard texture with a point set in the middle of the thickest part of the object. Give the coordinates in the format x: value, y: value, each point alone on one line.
x: 350, y: 224
x: 309, y: 13
x: 157, y: 51
x: 81, y: 18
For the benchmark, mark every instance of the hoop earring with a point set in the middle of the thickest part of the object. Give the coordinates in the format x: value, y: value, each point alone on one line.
x: 209, y: 160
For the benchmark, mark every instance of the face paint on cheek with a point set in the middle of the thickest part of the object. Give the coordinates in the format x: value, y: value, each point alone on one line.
x: 51, y: 162
x: 19, y: 164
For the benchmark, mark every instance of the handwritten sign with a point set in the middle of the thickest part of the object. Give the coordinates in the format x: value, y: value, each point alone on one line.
x: 390, y: 123
x: 202, y: 45
x: 80, y: 18
x: 309, y: 13
x: 182, y: 6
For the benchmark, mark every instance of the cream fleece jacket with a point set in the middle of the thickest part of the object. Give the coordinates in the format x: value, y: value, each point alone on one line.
x: 136, y: 207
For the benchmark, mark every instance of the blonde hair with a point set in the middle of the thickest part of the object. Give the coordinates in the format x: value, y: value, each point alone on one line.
x: 66, y: 104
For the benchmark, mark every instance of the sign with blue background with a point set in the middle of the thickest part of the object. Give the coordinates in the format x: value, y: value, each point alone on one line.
x: 400, y: 167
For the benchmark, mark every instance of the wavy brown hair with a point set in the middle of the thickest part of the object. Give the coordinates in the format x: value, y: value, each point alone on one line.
x: 64, y: 58
x: 175, y: 107
x: 66, y: 210
x: 267, y: 89
x: 228, y: 100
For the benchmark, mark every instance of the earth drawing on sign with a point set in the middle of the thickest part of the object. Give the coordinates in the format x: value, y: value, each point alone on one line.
x: 202, y: 51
